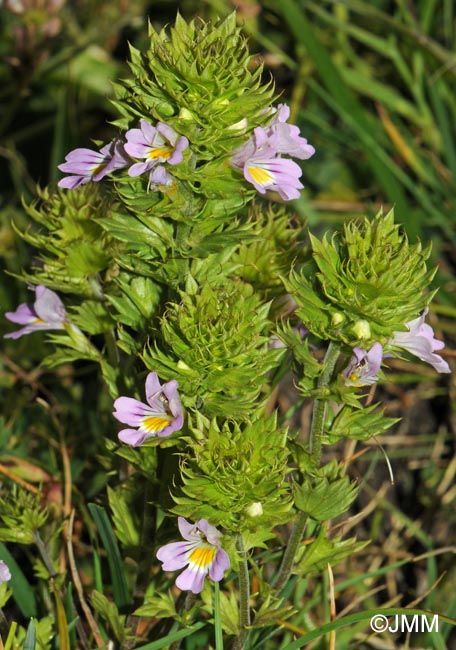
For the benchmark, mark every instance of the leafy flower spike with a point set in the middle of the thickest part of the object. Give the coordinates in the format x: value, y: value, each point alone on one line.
x: 5, y: 573
x: 161, y: 416
x: 46, y: 313
x: 201, y: 551
x: 364, y: 366
x: 420, y: 342
x: 155, y: 144
x: 89, y: 165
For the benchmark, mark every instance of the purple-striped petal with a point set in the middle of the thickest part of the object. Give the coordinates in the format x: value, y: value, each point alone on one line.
x: 46, y: 313
x: 48, y: 306
x: 420, y: 341
x: 191, y: 580
x: 174, y: 556
x: 221, y: 564
x: 23, y: 314
x: 132, y: 437
x: 130, y: 411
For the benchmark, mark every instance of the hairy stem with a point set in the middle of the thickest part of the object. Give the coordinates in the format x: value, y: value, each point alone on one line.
x: 316, y: 434
x: 319, y: 408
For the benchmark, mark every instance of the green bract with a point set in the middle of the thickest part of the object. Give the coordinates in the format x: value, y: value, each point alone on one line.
x: 363, y: 284
x: 215, y: 343
x: 74, y: 246
x: 234, y: 476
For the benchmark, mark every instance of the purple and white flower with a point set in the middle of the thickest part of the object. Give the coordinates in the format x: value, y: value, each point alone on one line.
x: 161, y: 416
x: 201, y: 553
x: 154, y: 144
x: 88, y: 165
x: 420, y: 342
x: 260, y: 158
x: 5, y: 573
x: 47, y: 313
x: 288, y: 139
x: 159, y: 177
x: 363, y: 367
x: 261, y: 166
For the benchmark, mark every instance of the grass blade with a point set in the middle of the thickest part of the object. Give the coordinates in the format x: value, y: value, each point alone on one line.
x: 62, y: 623
x: 30, y: 638
x: 350, y: 109
x: 116, y: 567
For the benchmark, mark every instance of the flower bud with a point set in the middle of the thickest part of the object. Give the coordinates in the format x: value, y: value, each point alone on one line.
x: 337, y: 319
x: 239, y: 126
x: 182, y: 365
x: 362, y: 329
x: 255, y: 509
x: 185, y: 114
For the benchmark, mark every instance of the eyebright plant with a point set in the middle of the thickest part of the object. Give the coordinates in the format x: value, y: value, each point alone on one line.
x: 166, y: 259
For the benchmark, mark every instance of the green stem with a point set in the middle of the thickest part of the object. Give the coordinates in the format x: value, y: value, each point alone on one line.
x: 244, y: 598
x: 316, y: 434
x: 297, y: 533
x: 217, y: 620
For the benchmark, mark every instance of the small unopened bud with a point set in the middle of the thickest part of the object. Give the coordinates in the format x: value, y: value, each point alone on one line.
x: 185, y: 114
x: 182, y: 365
x: 255, y: 509
x: 362, y: 329
x: 239, y: 126
x: 337, y: 319
x: 221, y: 101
